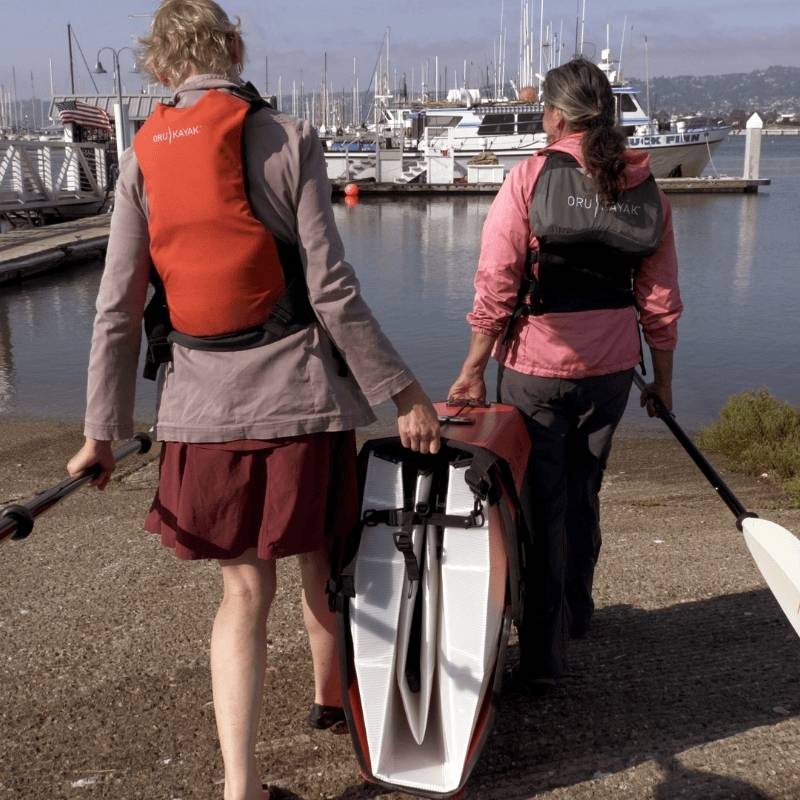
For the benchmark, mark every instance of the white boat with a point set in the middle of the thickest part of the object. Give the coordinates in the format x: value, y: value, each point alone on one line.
x: 512, y: 131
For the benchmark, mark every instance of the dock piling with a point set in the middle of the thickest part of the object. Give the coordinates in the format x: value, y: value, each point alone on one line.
x: 752, y: 147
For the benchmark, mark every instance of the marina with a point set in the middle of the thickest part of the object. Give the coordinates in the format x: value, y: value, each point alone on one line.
x: 443, y: 141
x: 26, y: 253
x: 685, y: 682
x: 735, y: 255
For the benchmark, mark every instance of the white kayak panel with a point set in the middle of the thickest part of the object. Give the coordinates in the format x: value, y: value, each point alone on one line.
x: 420, y: 740
x: 776, y: 552
x: 379, y: 580
x: 472, y: 602
x: 416, y: 704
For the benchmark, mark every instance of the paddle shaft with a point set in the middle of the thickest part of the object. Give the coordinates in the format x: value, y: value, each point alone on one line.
x: 722, y: 489
x: 16, y: 521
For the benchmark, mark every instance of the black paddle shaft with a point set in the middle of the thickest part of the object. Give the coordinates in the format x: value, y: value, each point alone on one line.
x: 16, y: 521
x: 722, y: 489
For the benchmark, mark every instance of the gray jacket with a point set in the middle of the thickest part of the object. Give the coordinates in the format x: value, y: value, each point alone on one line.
x: 287, y: 388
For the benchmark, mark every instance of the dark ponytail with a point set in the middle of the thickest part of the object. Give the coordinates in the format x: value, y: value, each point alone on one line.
x: 583, y: 94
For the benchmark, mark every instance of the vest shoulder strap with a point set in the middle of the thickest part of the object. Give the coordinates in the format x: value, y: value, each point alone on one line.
x: 245, y: 91
x: 250, y: 94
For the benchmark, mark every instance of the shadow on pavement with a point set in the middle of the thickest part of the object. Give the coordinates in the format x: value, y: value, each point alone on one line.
x: 647, y: 685
x: 680, y: 781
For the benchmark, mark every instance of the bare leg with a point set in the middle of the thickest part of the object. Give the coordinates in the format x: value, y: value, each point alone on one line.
x: 238, y: 662
x: 321, y: 626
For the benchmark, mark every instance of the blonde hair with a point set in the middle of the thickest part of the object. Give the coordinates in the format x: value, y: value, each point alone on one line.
x: 191, y: 36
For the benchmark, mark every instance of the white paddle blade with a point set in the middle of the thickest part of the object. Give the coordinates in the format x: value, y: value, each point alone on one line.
x: 776, y: 552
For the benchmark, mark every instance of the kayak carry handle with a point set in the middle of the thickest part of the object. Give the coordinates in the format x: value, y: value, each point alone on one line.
x: 712, y: 476
x: 17, y: 520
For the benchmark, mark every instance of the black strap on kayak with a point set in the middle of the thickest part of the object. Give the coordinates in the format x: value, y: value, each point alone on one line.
x: 487, y: 477
x: 405, y: 519
x: 423, y: 515
x: 479, y: 476
x: 413, y: 670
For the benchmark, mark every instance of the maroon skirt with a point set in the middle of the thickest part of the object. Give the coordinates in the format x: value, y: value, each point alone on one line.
x: 282, y: 496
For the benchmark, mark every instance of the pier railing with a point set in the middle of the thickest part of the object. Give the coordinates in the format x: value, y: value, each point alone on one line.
x: 50, y: 175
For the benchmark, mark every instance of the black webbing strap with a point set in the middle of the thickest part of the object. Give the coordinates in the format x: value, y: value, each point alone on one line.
x: 528, y: 287
x: 405, y: 519
x: 404, y: 542
x: 479, y: 476
x: 402, y: 518
x: 157, y: 327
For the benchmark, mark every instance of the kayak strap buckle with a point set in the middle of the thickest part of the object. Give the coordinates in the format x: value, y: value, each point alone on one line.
x: 478, y: 517
x: 393, y: 517
x: 403, y: 542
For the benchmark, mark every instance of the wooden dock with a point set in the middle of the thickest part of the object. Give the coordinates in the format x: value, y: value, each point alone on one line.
x: 28, y: 252
x: 712, y: 185
x: 669, y: 185
x: 32, y: 251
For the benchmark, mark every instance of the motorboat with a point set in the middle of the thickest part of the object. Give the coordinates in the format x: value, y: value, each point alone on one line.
x: 469, y: 126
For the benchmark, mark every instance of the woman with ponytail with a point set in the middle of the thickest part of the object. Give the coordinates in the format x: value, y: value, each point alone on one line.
x: 577, y: 253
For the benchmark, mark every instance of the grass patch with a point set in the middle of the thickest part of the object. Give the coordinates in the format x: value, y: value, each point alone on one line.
x: 759, y: 433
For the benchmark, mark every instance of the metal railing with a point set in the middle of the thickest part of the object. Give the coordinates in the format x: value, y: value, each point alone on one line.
x: 48, y: 174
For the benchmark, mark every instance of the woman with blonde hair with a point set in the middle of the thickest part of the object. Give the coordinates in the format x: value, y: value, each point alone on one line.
x: 267, y: 356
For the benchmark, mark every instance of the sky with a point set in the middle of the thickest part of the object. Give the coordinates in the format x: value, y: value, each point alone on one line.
x: 683, y: 37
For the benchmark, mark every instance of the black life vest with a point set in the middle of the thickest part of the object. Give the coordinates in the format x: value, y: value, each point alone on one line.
x: 589, y: 252
x: 261, y: 259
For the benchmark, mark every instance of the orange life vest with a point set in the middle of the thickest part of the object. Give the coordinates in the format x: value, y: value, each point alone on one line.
x: 220, y: 267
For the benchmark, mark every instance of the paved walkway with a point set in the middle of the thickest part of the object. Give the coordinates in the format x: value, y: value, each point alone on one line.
x: 687, y: 687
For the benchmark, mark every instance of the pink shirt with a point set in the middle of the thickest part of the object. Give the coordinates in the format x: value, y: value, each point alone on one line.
x: 577, y: 344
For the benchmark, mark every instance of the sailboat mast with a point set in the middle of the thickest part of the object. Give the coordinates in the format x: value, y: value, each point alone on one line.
x: 541, y: 41
x: 647, y: 75
x: 583, y: 24
x: 71, y: 62
x: 17, y: 112
x: 355, y: 93
x: 33, y: 103
x: 501, y: 57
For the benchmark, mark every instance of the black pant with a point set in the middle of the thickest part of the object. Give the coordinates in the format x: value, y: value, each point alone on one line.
x: 571, y: 423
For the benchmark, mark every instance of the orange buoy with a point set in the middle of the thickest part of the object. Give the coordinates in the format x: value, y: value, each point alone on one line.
x: 351, y: 190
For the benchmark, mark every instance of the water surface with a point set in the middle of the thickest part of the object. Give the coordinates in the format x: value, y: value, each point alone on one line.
x: 416, y: 258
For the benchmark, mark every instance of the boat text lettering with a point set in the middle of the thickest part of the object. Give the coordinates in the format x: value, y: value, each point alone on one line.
x: 663, y: 139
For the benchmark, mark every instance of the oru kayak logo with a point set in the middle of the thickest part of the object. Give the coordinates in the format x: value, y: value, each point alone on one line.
x: 589, y: 203
x: 175, y: 133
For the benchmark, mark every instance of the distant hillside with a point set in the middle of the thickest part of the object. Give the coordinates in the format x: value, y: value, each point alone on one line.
x: 774, y: 89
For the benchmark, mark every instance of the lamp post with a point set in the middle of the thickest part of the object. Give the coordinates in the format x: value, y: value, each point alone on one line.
x: 121, y: 110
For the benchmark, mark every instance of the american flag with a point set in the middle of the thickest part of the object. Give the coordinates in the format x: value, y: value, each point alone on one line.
x: 82, y: 114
